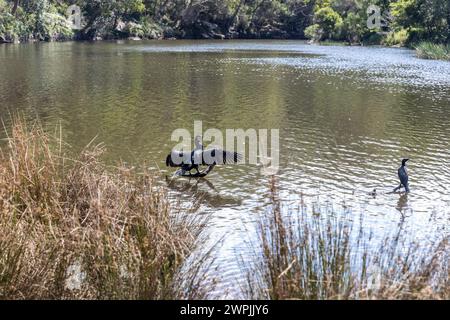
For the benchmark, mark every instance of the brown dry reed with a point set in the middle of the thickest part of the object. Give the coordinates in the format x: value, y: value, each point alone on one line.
x: 72, y: 228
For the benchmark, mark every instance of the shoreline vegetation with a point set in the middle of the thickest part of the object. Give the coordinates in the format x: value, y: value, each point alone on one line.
x: 72, y: 228
x: 412, y: 23
x: 428, y: 50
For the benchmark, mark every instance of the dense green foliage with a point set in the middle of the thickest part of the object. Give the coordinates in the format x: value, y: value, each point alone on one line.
x: 410, y: 20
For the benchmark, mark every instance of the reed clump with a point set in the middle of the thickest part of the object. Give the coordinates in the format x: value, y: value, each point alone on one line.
x: 318, y: 254
x: 436, y: 51
x: 72, y: 228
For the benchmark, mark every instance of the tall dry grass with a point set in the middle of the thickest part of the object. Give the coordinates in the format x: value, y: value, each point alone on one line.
x: 75, y: 229
x: 304, y: 254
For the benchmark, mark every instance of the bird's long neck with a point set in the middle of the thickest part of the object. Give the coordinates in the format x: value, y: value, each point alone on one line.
x: 198, y: 146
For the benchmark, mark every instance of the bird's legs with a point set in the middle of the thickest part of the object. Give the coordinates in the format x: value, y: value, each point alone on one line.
x: 190, y: 171
x: 407, y: 188
x: 398, y: 188
x: 196, y: 167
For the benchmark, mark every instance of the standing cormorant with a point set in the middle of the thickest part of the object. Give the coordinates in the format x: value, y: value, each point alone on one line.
x: 403, y: 176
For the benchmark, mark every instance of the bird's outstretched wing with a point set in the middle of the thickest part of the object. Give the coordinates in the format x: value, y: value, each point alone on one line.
x: 178, y: 158
x: 220, y: 157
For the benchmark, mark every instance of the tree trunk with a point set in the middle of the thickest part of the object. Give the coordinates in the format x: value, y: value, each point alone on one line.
x: 15, y: 6
x: 254, y: 11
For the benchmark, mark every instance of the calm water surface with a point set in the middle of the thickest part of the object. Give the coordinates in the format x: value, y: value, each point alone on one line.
x: 346, y: 115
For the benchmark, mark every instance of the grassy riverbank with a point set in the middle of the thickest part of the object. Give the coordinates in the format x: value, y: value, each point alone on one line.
x: 70, y: 228
x: 327, y: 256
x: 428, y: 50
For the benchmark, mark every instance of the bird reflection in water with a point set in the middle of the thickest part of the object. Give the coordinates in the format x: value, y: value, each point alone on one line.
x: 201, y: 189
x: 402, y: 204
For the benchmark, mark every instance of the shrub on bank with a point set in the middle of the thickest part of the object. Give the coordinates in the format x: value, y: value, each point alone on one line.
x: 397, y: 38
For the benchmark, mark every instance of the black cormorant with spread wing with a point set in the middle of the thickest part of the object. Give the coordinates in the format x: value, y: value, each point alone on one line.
x: 200, y: 156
